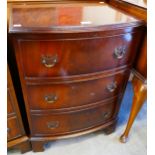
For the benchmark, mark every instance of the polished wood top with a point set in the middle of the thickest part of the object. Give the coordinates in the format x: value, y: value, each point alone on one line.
x: 63, y: 17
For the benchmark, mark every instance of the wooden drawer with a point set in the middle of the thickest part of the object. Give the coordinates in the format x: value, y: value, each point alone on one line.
x: 70, y: 95
x: 13, y: 128
x: 74, y: 57
x: 68, y: 122
x: 10, y: 109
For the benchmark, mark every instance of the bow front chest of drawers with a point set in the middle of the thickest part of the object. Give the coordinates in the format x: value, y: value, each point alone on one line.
x: 74, y: 61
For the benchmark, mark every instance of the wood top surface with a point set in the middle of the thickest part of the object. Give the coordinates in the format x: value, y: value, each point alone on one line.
x: 65, y: 16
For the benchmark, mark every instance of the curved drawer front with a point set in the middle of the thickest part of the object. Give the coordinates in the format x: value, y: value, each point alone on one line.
x: 61, y: 123
x: 13, y: 128
x: 57, y: 96
x: 74, y: 57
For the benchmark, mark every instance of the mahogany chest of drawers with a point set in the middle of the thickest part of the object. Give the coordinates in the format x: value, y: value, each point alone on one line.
x: 74, y: 61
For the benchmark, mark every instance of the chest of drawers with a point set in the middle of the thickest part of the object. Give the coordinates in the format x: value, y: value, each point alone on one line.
x: 74, y: 61
x: 16, y: 135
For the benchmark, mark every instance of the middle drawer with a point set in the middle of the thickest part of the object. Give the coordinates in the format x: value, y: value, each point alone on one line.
x: 67, y: 95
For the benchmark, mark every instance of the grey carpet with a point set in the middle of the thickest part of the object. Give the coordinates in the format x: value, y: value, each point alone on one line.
x: 100, y: 144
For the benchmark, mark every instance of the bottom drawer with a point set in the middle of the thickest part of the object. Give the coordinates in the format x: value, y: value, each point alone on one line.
x: 69, y: 122
x: 13, y: 129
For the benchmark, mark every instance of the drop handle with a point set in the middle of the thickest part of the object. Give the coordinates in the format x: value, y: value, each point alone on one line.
x: 52, y: 98
x: 119, y: 52
x: 49, y: 61
x: 106, y: 114
x: 112, y: 86
x: 53, y: 124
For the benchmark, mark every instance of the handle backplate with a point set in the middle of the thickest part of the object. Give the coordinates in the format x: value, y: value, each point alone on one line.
x: 112, y: 86
x: 49, y: 61
x: 119, y: 52
x: 53, y: 124
x: 52, y: 98
x: 106, y: 115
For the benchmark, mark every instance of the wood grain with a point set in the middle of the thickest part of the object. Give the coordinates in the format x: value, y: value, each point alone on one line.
x: 75, y: 61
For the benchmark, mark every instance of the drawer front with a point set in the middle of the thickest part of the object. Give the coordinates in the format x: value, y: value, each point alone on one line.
x: 57, y: 96
x: 74, y: 57
x: 10, y: 109
x: 13, y: 128
x: 62, y: 123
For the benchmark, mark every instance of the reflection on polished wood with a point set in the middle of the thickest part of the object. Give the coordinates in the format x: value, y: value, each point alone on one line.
x: 65, y: 16
x: 72, y: 69
x: 61, y: 57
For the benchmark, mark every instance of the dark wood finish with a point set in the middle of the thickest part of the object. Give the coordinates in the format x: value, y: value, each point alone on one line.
x: 22, y: 19
x: 141, y: 13
x: 38, y: 146
x: 111, y: 128
x: 10, y: 109
x: 15, y: 130
x: 64, y: 96
x: 73, y: 121
x: 21, y: 143
x: 140, y: 93
x: 77, y: 63
x: 140, y: 64
x: 67, y: 57
x: 38, y: 142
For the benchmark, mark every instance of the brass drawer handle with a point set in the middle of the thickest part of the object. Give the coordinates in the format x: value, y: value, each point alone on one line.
x: 53, y: 124
x: 51, y: 98
x: 119, y: 52
x: 49, y: 61
x: 106, y: 115
x: 112, y: 86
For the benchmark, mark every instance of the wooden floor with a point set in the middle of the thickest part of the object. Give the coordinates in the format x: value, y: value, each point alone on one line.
x: 100, y: 144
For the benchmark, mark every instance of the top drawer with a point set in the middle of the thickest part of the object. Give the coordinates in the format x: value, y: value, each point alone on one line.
x: 55, y: 58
